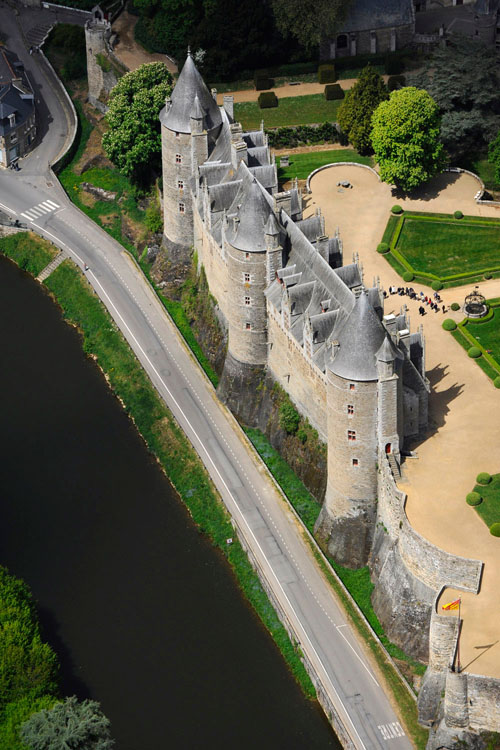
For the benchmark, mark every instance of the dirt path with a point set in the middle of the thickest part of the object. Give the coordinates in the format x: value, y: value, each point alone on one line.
x: 464, y: 404
x: 128, y: 51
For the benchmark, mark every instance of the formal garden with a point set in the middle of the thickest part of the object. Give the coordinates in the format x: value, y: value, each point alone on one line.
x: 485, y: 498
x: 291, y: 110
x: 434, y: 249
x: 480, y: 337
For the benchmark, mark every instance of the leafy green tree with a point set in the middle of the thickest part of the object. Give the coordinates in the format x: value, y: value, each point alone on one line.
x: 463, y: 79
x: 15, y: 714
x: 356, y: 110
x: 405, y: 138
x: 310, y: 22
x: 71, y: 724
x: 133, y: 141
x: 494, y: 155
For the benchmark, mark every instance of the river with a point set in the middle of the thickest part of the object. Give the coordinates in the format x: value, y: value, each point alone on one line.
x: 143, y: 612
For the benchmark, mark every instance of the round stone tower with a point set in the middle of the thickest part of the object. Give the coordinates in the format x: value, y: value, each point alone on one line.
x: 190, y: 124
x: 97, y: 30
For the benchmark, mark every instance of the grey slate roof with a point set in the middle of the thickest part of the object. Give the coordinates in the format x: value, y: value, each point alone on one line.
x: 311, y: 227
x: 369, y: 15
x: 258, y: 156
x: 350, y: 275
x: 266, y: 175
x: 16, y: 95
x: 189, y: 85
x: 254, y: 138
x: 252, y: 210
x: 388, y: 351
x: 359, y: 338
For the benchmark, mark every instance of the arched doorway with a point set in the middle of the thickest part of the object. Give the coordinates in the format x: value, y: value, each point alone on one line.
x: 342, y: 41
x: 388, y: 448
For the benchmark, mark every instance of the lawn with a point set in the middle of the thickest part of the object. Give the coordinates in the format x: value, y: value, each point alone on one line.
x: 479, y: 164
x: 291, y: 110
x: 489, y: 509
x: 301, y: 165
x: 487, y: 333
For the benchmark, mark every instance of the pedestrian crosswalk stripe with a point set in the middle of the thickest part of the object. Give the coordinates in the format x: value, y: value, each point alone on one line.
x: 37, y: 212
x: 51, y: 203
x: 27, y: 216
x: 43, y: 209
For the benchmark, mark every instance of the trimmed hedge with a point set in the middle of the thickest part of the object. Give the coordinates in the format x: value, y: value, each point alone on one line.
x: 267, y: 100
x: 458, y: 215
x: 333, y: 91
x: 397, y: 209
x: 449, y: 324
x: 455, y: 306
x: 496, y: 382
x: 483, y: 478
x: 495, y: 529
x: 474, y: 352
x: 263, y: 83
x: 303, y: 135
x: 383, y: 247
x: 395, y: 82
x: 473, y: 498
x: 437, y: 286
x: 326, y: 73
x: 408, y: 276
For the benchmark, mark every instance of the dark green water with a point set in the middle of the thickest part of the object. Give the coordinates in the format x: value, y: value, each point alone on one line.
x: 144, y: 614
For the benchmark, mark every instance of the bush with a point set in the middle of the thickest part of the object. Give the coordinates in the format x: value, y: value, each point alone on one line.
x: 397, y: 209
x: 154, y: 219
x: 455, y: 306
x: 408, y: 276
x: 333, y: 91
x: 449, y: 324
x: 483, y: 478
x: 473, y: 498
x: 289, y: 418
x: 436, y: 285
x: 496, y: 382
x: 326, y: 73
x: 495, y: 529
x: 302, y: 135
x: 458, y: 215
x: 383, y: 247
x: 393, y: 65
x: 395, y: 82
x: 488, y: 276
x: 474, y: 352
x: 263, y: 82
x: 267, y: 100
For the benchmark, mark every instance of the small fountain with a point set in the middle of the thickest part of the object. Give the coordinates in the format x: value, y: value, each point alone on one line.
x: 475, y: 304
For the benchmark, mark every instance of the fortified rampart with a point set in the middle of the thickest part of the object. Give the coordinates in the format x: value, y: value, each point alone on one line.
x: 101, y: 75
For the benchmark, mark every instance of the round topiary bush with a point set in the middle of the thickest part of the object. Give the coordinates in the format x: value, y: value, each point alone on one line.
x: 474, y: 352
x: 458, y: 215
x: 488, y: 276
x: 408, y: 276
x: 473, y: 498
x: 483, y: 478
x: 436, y: 285
x: 397, y: 209
x: 495, y: 529
x: 496, y: 382
x: 382, y: 247
x: 449, y: 324
x: 455, y: 306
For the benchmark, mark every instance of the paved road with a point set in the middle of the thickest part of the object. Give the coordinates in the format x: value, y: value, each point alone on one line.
x: 263, y: 517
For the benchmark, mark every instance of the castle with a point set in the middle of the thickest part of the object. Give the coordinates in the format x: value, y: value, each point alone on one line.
x: 291, y: 307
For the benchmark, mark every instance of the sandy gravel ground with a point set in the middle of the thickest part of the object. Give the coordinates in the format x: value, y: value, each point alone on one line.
x: 128, y: 51
x: 301, y: 89
x: 464, y: 407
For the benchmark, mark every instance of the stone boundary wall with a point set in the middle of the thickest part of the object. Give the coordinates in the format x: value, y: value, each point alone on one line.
x: 430, y: 564
x: 484, y: 702
x: 339, y: 164
x: 443, y: 637
x: 68, y: 106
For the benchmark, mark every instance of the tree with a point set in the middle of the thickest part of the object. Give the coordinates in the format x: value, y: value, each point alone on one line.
x: 405, y: 138
x: 494, y: 155
x: 356, y: 110
x: 463, y: 79
x: 80, y: 726
x: 133, y: 141
x: 310, y: 22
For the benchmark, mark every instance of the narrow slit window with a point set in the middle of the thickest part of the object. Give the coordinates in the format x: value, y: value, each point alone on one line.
x: 355, y: 462
x: 248, y: 326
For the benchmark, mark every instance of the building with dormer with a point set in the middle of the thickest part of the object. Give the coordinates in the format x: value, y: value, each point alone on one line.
x: 17, y: 110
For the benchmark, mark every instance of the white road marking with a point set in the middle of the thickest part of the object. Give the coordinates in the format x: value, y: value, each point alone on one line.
x: 9, y: 210
x: 27, y: 216
x: 44, y: 209
x: 52, y: 203
x: 36, y: 212
x: 358, y: 657
x: 49, y: 204
x: 391, y: 731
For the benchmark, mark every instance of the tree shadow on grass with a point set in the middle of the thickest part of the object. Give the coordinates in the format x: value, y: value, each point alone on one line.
x: 429, y: 190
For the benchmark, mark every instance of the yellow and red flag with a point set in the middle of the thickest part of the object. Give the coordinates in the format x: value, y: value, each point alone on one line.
x: 452, y: 605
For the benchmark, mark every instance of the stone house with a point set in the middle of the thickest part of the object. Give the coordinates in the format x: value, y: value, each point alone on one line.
x: 17, y: 110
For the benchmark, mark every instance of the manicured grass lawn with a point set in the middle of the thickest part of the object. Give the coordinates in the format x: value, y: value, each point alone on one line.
x: 301, y: 165
x: 292, y: 110
x: 488, y: 334
x: 449, y: 247
x: 489, y: 509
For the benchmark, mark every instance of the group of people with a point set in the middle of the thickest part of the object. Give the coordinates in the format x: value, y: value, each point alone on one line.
x: 434, y: 302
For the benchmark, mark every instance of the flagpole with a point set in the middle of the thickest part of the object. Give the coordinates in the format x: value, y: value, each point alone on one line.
x: 458, y: 640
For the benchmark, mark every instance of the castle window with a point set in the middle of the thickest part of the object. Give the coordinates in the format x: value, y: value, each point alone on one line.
x: 248, y: 326
x: 247, y: 278
x: 247, y: 256
x: 342, y: 41
x: 355, y: 462
x: 247, y: 300
x: 352, y: 387
x: 178, y: 159
x: 182, y: 208
x: 350, y: 409
x: 351, y: 434
x: 177, y: 134
x: 180, y: 184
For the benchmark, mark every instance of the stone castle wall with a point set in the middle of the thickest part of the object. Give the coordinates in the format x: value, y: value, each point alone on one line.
x: 247, y: 322
x: 177, y: 171
x: 100, y: 82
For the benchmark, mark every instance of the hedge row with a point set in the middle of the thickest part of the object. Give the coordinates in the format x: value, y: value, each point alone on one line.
x: 303, y: 135
x: 267, y: 100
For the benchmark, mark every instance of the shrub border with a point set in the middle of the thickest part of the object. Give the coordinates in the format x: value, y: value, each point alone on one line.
x: 470, y: 340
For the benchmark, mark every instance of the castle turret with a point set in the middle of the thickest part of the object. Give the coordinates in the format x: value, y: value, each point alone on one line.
x: 101, y: 78
x: 191, y: 122
x: 390, y: 395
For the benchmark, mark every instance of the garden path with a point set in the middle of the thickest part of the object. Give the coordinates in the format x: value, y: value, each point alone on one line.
x: 464, y: 415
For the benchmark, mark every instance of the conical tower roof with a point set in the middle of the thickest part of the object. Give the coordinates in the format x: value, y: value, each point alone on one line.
x: 190, y: 85
x: 248, y: 233
x: 360, y: 339
x: 388, y: 352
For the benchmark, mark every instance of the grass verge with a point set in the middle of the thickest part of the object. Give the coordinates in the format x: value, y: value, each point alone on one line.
x: 489, y: 509
x: 30, y: 252
x: 166, y: 440
x: 291, y: 110
x: 301, y: 165
x: 357, y: 582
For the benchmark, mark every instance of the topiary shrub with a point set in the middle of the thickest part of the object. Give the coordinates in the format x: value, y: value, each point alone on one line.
x: 408, y: 276
x: 474, y: 352
x: 473, y: 498
x: 495, y: 529
x: 436, y: 285
x: 333, y: 91
x: 496, y: 382
x: 488, y: 276
x: 382, y: 247
x: 455, y: 306
x: 449, y: 324
x: 326, y: 73
x: 397, y: 209
x: 458, y: 215
x: 483, y: 478
x: 395, y: 82
x: 267, y: 100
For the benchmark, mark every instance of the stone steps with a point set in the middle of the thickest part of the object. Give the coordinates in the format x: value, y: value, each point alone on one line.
x: 51, y: 266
